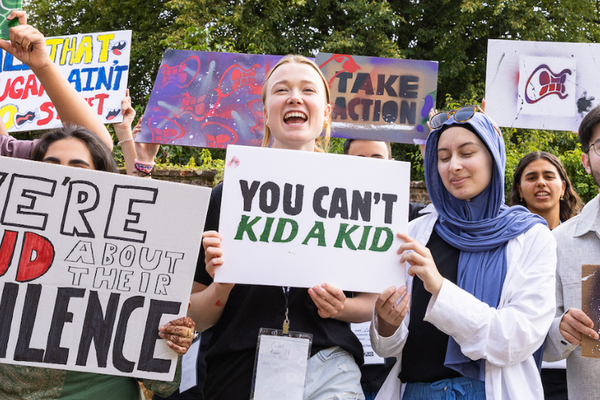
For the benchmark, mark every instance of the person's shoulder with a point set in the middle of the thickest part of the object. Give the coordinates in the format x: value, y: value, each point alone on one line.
x: 566, y: 228
x: 538, y: 232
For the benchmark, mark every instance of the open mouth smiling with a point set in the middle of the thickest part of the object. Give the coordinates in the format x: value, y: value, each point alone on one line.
x: 294, y: 117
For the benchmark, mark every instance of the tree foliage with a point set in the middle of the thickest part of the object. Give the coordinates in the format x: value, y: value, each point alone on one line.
x: 452, y: 32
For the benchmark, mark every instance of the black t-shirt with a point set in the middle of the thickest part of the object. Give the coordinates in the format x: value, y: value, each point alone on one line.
x: 231, y: 353
x: 425, y: 348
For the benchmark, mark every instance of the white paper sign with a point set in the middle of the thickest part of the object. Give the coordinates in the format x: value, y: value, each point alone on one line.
x: 541, y: 85
x: 295, y: 218
x: 96, y: 64
x: 362, y: 332
x: 91, y: 264
x: 281, y: 368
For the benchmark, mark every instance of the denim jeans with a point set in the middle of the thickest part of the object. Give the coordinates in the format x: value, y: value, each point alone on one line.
x: 332, y: 374
x: 446, y: 389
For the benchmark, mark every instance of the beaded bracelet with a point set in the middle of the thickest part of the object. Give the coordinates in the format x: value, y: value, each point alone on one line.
x: 124, y: 141
x: 144, y: 169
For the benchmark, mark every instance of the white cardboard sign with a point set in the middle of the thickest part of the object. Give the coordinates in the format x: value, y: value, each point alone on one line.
x: 96, y: 64
x: 91, y: 264
x: 295, y: 218
x: 541, y: 85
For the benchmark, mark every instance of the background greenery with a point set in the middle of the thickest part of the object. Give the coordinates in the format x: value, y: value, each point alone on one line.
x: 453, y: 32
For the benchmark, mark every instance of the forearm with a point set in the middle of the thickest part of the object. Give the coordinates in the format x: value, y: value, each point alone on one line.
x: 207, y: 304
x: 70, y: 105
x: 358, y: 308
x: 125, y: 137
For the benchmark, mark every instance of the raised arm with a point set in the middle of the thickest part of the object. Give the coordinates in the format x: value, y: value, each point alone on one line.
x: 28, y: 45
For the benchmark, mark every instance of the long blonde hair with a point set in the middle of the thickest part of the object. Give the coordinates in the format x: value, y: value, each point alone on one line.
x: 322, y: 142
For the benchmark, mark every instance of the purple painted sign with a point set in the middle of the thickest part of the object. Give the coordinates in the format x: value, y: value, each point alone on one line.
x: 380, y: 98
x: 206, y: 99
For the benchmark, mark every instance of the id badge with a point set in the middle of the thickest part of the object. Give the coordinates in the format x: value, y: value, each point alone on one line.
x: 280, y: 365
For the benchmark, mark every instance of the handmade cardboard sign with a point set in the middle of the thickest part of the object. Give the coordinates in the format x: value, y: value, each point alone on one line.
x: 590, y: 304
x: 91, y: 264
x: 380, y: 98
x: 206, y: 99
x: 96, y: 64
x: 296, y: 218
x: 541, y: 85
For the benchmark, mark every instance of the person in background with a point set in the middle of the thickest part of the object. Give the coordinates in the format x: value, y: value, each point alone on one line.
x: 540, y: 183
x: 480, y: 278
x: 139, y: 157
x: 578, y: 242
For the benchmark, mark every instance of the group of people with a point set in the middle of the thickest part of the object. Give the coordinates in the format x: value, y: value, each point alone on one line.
x: 490, y: 290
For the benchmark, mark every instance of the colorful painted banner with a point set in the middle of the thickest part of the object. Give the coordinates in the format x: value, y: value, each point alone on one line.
x: 91, y: 264
x: 380, y: 98
x: 541, y: 85
x: 96, y: 64
x: 294, y: 220
x: 207, y: 99
x: 214, y: 99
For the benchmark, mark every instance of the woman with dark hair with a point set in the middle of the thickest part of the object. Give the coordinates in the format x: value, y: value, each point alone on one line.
x: 541, y: 184
x: 480, y: 276
x: 68, y: 144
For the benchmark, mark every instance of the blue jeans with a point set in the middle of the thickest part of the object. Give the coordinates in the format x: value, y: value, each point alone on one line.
x: 332, y: 374
x: 446, y: 389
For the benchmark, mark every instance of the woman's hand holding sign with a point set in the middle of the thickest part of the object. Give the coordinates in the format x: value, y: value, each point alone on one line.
x: 421, y: 263
x: 391, y: 306
x: 330, y: 300
x: 179, y: 334
x: 27, y: 44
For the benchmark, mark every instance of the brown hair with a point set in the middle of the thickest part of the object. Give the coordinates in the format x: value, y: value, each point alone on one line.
x: 570, y: 204
x: 322, y: 143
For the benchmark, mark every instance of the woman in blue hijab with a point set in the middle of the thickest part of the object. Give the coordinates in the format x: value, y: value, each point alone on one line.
x: 480, y: 276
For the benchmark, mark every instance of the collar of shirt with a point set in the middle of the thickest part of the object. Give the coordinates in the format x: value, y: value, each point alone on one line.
x: 589, y: 219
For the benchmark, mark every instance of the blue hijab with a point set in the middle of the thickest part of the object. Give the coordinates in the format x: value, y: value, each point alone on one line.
x: 479, y: 228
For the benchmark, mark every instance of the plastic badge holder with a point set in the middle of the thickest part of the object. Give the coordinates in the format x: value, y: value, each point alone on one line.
x: 280, y: 365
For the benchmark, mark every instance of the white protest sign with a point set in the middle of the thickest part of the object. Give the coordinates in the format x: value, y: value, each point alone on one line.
x: 91, y: 264
x: 96, y: 64
x: 541, y: 85
x: 296, y: 218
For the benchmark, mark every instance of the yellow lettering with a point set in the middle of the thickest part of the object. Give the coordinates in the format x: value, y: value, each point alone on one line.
x: 68, y: 48
x: 84, y: 50
x: 54, y: 42
x: 105, y: 39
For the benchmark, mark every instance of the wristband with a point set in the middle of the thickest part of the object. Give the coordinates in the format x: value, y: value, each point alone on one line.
x: 144, y: 169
